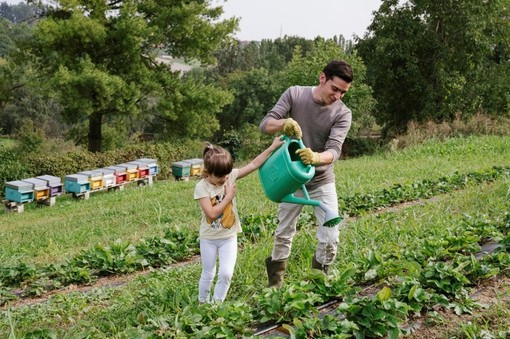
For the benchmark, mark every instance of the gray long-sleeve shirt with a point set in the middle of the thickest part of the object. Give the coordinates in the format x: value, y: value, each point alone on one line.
x: 324, y: 127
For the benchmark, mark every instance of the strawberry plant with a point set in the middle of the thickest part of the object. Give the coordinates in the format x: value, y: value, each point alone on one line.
x: 336, y: 283
x: 445, y: 278
x: 287, y: 302
x: 328, y: 326
x: 376, y: 316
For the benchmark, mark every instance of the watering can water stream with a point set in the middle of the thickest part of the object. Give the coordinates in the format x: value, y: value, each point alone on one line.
x: 283, y: 173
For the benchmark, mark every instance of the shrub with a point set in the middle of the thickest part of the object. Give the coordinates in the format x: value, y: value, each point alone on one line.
x: 18, y: 165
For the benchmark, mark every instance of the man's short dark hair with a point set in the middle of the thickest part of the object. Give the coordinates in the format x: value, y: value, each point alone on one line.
x: 340, y: 69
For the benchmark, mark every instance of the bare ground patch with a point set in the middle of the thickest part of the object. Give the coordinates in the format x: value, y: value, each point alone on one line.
x: 494, y: 297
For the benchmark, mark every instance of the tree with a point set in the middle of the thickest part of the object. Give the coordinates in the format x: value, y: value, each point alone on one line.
x: 255, y: 92
x: 19, y: 13
x: 99, y: 58
x: 428, y: 59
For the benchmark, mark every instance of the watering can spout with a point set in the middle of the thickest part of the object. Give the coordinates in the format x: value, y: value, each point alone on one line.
x: 291, y: 199
x: 332, y: 218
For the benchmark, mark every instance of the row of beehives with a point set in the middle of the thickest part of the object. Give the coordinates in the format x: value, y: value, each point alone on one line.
x: 45, y: 188
x: 183, y: 170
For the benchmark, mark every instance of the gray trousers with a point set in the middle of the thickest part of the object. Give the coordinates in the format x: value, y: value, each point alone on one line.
x: 327, y: 237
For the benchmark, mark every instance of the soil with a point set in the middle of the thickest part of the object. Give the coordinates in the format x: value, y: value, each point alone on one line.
x: 110, y: 281
x: 492, y: 294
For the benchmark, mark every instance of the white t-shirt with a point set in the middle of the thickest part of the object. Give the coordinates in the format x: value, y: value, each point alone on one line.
x: 227, y: 224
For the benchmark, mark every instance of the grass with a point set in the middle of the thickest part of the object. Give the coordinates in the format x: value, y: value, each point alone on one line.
x: 106, y: 312
x: 46, y: 235
x: 52, y: 234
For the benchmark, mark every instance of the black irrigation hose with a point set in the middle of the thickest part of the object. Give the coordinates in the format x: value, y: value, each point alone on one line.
x: 278, y: 330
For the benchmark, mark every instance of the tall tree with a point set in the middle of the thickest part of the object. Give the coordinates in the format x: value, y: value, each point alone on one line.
x: 255, y: 91
x: 100, y: 59
x: 428, y: 59
x: 21, y: 12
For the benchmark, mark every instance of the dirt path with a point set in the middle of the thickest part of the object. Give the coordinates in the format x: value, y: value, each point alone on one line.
x: 105, y: 282
x: 494, y: 297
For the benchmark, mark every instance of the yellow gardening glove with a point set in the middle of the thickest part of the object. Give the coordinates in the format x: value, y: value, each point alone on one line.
x: 291, y: 128
x: 309, y: 157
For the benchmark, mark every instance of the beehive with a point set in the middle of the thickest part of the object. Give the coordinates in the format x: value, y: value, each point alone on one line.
x: 196, y: 166
x: 54, y: 183
x: 95, y: 178
x: 76, y: 183
x: 152, y: 164
x: 41, y: 189
x: 120, y: 174
x: 109, y: 177
x: 143, y: 168
x: 131, y: 170
x: 181, y: 169
x: 18, y: 191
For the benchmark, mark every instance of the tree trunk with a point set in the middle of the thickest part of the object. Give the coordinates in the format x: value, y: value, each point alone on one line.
x: 95, y: 123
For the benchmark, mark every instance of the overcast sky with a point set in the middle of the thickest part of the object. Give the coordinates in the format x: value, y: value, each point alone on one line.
x: 270, y: 19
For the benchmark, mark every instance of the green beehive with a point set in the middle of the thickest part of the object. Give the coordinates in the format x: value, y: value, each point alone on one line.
x: 76, y: 183
x: 181, y: 169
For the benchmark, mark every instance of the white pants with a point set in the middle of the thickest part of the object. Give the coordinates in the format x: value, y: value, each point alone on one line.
x: 327, y: 237
x: 226, y: 250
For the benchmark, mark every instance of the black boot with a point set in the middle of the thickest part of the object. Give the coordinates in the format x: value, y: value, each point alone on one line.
x: 275, y: 271
x: 319, y: 266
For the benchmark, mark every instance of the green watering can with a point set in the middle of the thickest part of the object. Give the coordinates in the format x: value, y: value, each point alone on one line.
x: 283, y: 173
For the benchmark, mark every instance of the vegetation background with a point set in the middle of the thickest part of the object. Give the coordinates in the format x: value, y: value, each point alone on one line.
x: 87, y: 84
x: 82, y: 88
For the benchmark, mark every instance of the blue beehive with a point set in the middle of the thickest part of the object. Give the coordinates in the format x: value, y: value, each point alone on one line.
x: 76, y: 183
x: 18, y: 191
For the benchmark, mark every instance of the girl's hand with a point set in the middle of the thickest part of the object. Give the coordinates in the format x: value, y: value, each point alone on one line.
x: 277, y: 142
x: 230, y: 190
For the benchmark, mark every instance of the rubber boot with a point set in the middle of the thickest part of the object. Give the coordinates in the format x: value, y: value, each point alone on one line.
x: 275, y: 271
x: 318, y: 266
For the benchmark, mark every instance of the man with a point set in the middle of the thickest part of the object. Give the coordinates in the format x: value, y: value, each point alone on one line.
x: 318, y: 116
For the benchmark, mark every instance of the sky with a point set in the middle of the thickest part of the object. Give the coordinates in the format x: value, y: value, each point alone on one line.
x: 271, y: 19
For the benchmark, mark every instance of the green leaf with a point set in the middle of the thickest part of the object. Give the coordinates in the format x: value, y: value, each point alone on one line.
x: 384, y: 293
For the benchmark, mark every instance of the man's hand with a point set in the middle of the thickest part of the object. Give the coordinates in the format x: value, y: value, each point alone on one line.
x: 309, y: 157
x: 291, y: 128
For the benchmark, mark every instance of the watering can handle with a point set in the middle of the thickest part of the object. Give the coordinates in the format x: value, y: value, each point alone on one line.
x: 287, y: 138
x: 300, y: 143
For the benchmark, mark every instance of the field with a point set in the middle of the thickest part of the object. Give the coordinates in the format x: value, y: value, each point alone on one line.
x: 123, y: 264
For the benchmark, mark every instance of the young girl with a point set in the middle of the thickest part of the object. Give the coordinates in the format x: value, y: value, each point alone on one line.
x: 220, y: 224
